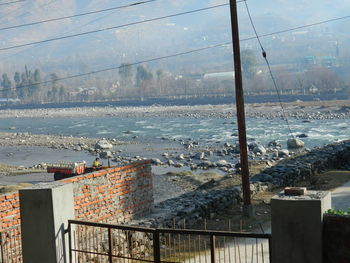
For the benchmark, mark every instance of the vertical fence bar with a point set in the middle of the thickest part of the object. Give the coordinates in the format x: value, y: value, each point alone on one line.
x: 110, y: 259
x: 70, y: 242
x: 212, y: 248
x: 2, y: 248
x: 270, y: 252
x: 156, y: 247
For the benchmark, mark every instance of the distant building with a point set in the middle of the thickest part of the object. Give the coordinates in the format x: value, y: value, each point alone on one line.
x: 325, y: 61
x: 85, y: 92
x: 219, y: 76
x: 89, y: 91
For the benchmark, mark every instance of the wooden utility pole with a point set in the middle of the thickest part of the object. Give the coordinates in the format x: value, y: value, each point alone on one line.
x: 242, y: 136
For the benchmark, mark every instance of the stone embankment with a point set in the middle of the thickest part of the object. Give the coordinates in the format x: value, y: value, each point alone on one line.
x: 190, y: 207
x: 300, y: 168
x: 194, y: 206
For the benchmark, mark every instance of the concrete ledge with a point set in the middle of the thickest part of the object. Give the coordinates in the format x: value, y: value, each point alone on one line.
x: 45, y: 211
x: 297, y: 226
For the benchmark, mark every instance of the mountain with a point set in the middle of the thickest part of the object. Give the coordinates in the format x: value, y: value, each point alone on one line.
x: 161, y: 37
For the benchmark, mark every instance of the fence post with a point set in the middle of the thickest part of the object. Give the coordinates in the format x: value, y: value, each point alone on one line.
x: 70, y: 242
x: 156, y: 246
x: 296, y: 226
x: 45, y: 211
x: 110, y: 259
x: 212, y: 248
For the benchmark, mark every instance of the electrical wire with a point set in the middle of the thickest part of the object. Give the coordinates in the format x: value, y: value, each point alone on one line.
x: 77, y: 15
x: 59, y: 35
x: 117, y: 67
x: 269, y: 68
x: 13, y: 2
x: 115, y: 27
x: 298, y: 27
x: 178, y: 14
x: 15, y: 10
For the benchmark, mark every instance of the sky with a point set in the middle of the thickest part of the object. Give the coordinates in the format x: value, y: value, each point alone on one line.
x: 147, y: 40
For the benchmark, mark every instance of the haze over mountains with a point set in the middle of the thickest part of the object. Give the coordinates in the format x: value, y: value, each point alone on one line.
x: 167, y: 36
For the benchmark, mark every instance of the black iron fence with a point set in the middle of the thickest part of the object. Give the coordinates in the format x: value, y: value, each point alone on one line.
x: 105, y: 243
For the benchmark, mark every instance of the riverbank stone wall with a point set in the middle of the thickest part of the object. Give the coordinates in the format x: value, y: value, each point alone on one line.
x: 290, y: 171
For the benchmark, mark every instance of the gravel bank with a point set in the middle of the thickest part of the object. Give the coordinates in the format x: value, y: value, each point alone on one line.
x: 52, y: 141
x: 305, y: 110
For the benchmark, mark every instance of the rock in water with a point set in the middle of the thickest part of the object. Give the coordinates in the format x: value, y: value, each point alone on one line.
x: 259, y: 149
x: 294, y: 143
x: 106, y: 155
x: 103, y: 144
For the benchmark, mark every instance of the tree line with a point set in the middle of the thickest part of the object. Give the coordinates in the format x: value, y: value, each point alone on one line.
x: 141, y: 82
x: 28, y: 88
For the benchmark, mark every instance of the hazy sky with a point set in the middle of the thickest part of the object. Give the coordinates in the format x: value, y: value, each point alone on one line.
x: 161, y: 37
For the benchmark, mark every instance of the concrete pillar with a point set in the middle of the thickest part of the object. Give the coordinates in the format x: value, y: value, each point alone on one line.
x: 296, y: 223
x: 45, y: 211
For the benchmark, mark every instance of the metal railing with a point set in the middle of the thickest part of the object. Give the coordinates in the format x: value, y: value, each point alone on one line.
x: 11, y: 245
x: 105, y: 243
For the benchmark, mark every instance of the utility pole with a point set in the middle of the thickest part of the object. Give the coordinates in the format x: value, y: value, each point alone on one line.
x: 242, y: 136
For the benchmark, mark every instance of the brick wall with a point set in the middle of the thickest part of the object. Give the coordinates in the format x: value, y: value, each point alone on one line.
x: 113, y: 195
x: 10, y: 235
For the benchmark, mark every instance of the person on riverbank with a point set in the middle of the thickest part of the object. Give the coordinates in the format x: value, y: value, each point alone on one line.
x: 96, y: 164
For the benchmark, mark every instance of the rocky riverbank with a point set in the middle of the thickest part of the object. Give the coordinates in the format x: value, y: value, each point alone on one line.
x: 214, y: 197
x: 51, y: 141
x: 301, y: 110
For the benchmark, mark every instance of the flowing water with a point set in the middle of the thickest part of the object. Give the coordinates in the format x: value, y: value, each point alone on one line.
x: 319, y: 132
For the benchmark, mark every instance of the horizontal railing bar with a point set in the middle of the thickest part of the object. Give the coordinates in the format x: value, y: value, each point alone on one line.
x: 174, y: 231
x: 119, y: 227
x: 114, y: 256
x: 89, y: 252
x: 214, y: 233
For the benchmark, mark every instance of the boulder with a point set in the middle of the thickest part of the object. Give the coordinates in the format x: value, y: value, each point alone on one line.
x: 283, y: 153
x: 221, y: 163
x: 103, y: 144
x: 259, y: 149
x: 302, y: 135
x: 294, y: 143
x: 200, y: 156
x: 181, y: 157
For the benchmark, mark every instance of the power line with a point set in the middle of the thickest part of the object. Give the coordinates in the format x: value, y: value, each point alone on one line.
x: 21, y: 7
x: 178, y: 14
x: 77, y: 15
x: 66, y: 32
x: 115, y: 27
x: 298, y: 27
x: 13, y: 2
x: 117, y: 67
x: 269, y: 68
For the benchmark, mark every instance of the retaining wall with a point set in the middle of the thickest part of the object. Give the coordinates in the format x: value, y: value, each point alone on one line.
x: 290, y: 171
